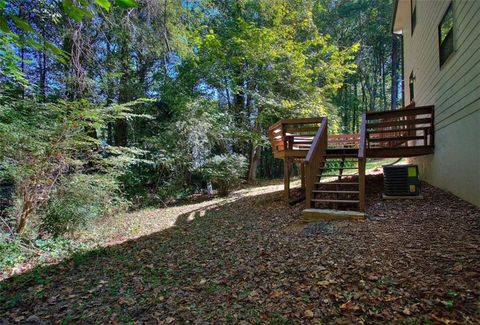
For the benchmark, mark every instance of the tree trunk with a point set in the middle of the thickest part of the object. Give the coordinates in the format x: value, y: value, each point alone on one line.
x: 384, y: 87
x: 355, y: 106
x: 42, y: 65
x: 121, y: 133
x: 42, y: 75
x: 124, y: 94
x: 252, y: 113
x: 255, y: 155
x: 76, y: 43
x: 22, y: 217
x: 373, y: 87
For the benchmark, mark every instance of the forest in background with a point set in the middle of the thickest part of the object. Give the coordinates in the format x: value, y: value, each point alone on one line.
x: 108, y: 105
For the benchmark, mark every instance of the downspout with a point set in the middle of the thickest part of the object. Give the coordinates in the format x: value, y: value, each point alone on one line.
x: 402, y: 79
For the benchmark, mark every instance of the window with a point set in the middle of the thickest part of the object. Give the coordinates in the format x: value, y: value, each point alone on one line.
x: 445, y: 36
x: 411, y: 87
x: 413, y: 14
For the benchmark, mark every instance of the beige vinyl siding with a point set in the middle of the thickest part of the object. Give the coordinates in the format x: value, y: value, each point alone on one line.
x: 454, y: 89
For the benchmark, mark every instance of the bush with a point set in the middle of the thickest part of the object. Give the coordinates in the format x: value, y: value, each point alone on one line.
x: 42, y: 144
x: 225, y: 172
x: 81, y: 199
x: 11, y: 253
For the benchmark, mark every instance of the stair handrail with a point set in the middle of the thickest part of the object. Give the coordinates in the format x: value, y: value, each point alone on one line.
x: 315, y: 156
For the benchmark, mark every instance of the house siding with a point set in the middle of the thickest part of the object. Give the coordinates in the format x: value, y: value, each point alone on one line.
x: 454, y: 89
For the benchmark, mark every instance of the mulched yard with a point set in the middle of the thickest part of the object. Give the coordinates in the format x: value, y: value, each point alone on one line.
x: 247, y: 260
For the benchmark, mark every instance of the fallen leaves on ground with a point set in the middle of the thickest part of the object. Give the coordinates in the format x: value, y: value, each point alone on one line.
x: 414, y: 261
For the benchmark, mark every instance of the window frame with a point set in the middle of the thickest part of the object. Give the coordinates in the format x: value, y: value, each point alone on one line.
x: 449, y: 38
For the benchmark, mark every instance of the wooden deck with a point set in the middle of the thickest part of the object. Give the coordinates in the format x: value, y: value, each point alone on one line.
x: 293, y: 137
x: 406, y: 132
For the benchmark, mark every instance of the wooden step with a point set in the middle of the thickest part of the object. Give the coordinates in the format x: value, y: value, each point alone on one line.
x: 339, y: 162
x: 338, y: 192
x: 342, y: 150
x: 336, y: 175
x: 340, y: 155
x: 337, y: 183
x: 314, y: 215
x: 333, y: 168
x: 298, y: 135
x: 336, y: 201
x: 339, y: 159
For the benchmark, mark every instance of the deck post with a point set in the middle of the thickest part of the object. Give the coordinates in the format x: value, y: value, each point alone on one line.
x: 286, y: 178
x: 308, y: 186
x: 361, y: 184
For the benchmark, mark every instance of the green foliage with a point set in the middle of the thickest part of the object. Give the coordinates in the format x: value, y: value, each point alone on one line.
x: 216, y: 74
x: 174, y: 189
x: 269, y: 60
x: 367, y: 25
x: 8, y: 62
x: 127, y: 3
x: 40, y: 144
x: 276, y: 54
x: 22, y: 24
x: 80, y: 200
x: 105, y: 4
x: 178, y: 139
x: 15, y: 251
x: 75, y: 12
x: 11, y: 253
x: 32, y: 37
x: 225, y: 172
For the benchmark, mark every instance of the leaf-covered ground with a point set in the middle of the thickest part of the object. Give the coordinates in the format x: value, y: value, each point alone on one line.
x: 247, y: 260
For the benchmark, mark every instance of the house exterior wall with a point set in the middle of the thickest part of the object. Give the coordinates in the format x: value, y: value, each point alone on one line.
x: 454, y: 89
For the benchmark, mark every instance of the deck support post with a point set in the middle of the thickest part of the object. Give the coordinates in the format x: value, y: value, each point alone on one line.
x: 361, y: 184
x: 286, y: 179
x: 308, y: 186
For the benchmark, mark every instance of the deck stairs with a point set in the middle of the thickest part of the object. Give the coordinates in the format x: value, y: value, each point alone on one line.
x: 336, y: 185
x: 333, y: 166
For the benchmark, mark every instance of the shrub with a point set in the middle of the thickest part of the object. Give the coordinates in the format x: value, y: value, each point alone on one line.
x: 11, y: 253
x: 41, y: 144
x: 225, y: 172
x: 81, y: 199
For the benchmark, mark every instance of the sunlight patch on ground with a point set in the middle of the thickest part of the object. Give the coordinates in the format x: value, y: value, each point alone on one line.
x: 259, y: 190
x: 148, y: 221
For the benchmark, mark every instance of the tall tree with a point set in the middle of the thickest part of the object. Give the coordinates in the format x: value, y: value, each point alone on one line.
x: 366, y: 22
x: 272, y: 61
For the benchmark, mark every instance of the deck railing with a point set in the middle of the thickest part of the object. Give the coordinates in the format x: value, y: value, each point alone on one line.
x: 293, y: 135
x: 343, y: 141
x: 315, y: 157
x: 403, y: 128
x: 404, y: 132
